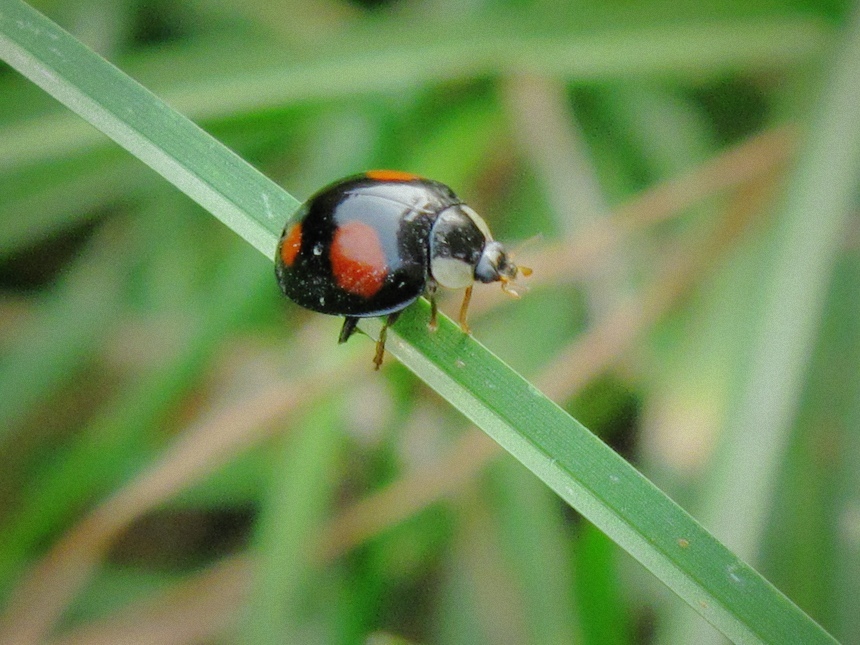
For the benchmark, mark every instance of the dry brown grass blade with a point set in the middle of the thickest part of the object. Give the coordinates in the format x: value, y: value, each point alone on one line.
x: 552, y: 143
x: 601, y: 347
x: 549, y: 135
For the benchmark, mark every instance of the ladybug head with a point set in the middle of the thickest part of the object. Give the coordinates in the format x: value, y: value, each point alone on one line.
x: 494, y: 264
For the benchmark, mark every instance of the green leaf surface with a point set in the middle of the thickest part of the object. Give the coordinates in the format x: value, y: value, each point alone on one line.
x: 557, y: 448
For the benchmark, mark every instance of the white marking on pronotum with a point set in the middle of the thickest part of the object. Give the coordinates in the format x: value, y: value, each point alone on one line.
x: 478, y: 220
x: 451, y: 272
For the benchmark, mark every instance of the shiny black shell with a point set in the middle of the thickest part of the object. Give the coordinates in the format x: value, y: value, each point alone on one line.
x: 360, y: 247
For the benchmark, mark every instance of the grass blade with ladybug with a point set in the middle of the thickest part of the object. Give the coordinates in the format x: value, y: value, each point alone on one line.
x: 371, y: 244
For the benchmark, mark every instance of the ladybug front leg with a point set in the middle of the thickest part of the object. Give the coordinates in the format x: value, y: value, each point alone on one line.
x: 464, y: 308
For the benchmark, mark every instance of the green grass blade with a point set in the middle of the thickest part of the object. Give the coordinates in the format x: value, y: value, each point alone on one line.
x: 562, y: 452
x: 598, y: 483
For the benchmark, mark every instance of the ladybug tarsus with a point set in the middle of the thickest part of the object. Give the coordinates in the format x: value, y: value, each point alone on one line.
x: 372, y: 244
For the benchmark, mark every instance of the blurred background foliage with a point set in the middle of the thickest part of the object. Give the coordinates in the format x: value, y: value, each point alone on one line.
x: 239, y: 478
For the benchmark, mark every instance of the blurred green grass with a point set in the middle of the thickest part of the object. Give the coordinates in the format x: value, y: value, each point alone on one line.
x: 184, y: 318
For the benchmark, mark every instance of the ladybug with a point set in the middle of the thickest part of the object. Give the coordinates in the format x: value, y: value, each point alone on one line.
x: 372, y: 244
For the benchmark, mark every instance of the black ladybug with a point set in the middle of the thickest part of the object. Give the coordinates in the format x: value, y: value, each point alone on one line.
x: 371, y: 244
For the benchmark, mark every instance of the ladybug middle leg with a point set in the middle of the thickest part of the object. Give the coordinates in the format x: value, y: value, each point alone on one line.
x: 434, y: 311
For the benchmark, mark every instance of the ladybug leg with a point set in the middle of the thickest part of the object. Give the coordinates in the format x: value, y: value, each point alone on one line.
x: 464, y: 308
x: 431, y: 294
x: 380, y: 344
x: 348, y: 329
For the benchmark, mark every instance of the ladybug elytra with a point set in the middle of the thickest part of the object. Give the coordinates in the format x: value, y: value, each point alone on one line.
x: 372, y: 244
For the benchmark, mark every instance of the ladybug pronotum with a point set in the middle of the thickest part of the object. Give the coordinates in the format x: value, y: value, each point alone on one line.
x: 372, y: 244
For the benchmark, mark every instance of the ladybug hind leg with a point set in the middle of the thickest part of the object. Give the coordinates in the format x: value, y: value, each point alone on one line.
x: 380, y: 344
x: 348, y: 329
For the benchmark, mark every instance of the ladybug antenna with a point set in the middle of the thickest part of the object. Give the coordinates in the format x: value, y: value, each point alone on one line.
x: 510, y: 285
x: 516, y: 250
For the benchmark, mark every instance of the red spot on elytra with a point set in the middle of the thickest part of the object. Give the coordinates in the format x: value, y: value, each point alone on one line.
x: 391, y: 175
x: 291, y: 244
x: 357, y: 259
